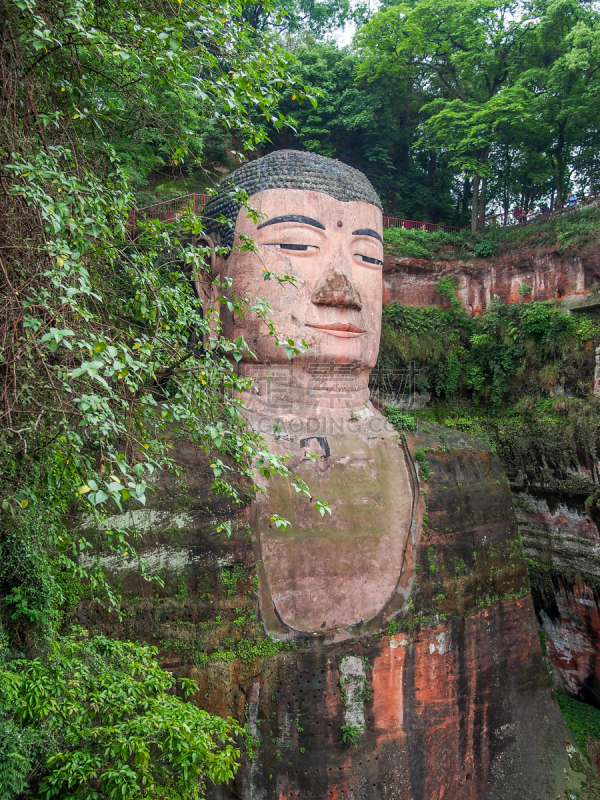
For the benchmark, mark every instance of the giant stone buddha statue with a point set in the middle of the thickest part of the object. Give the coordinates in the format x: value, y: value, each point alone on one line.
x: 409, y: 603
x: 321, y: 223
x: 403, y: 661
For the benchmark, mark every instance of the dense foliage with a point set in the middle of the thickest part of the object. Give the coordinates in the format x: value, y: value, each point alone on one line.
x: 582, y: 719
x: 456, y: 107
x: 507, y: 353
x: 519, y: 376
x: 98, y: 718
x: 103, y: 344
x: 373, y: 127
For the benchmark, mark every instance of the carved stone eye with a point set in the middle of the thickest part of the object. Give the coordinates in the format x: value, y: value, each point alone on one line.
x: 302, y: 247
x: 368, y: 259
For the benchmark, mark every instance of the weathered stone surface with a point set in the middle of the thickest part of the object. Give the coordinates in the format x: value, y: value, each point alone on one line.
x: 434, y: 723
x: 570, y: 619
x: 458, y: 703
x: 334, y: 574
x: 286, y: 169
x: 559, y: 535
x: 550, y: 274
x: 562, y: 541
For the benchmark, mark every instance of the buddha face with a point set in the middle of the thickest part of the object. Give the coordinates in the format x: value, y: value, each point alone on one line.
x: 333, y: 250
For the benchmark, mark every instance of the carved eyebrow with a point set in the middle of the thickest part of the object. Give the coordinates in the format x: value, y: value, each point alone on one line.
x: 293, y: 218
x: 367, y: 232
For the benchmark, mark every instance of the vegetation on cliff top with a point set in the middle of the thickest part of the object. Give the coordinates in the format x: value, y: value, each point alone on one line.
x: 455, y: 107
x: 448, y: 107
x: 508, y: 353
x: 570, y: 231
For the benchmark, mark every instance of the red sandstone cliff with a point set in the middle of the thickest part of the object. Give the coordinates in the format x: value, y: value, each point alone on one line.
x: 559, y: 534
x: 551, y: 273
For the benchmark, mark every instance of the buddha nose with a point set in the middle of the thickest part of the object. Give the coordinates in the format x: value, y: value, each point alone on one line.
x: 335, y: 288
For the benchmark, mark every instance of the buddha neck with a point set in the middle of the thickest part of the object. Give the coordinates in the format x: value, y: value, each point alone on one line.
x: 316, y: 389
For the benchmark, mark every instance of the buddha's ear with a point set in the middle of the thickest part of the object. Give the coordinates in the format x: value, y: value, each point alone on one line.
x: 204, y: 284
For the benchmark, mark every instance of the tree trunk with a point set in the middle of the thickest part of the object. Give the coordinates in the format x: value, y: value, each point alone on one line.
x: 482, y: 201
x: 466, y: 194
x: 432, y: 170
x: 404, y: 146
x: 475, y: 203
x: 478, y: 209
x: 560, y: 166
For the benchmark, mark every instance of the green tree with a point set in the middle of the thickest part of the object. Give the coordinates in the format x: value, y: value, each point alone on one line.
x: 297, y: 16
x: 347, y: 122
x: 567, y: 84
x: 374, y: 126
x: 467, y: 51
x: 99, y: 330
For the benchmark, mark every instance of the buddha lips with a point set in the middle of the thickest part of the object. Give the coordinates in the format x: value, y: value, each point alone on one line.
x: 345, y: 330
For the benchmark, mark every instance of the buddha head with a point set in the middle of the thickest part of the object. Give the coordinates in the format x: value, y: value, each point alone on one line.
x: 319, y: 223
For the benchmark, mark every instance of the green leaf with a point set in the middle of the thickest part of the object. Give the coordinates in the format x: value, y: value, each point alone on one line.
x: 98, y: 497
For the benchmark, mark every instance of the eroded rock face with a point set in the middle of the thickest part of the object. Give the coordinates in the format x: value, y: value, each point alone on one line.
x: 456, y: 700
x: 563, y: 542
x: 550, y: 273
x: 559, y: 534
x: 570, y: 619
x: 434, y: 723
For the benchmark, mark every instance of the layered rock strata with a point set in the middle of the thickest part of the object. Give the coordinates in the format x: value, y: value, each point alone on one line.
x: 562, y: 542
x: 550, y: 273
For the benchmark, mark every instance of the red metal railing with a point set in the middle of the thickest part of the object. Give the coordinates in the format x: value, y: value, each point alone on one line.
x: 169, y: 210
x: 411, y: 224
x: 537, y: 215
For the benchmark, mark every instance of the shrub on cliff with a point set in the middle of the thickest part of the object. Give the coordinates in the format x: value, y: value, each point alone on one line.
x: 518, y: 375
x: 432, y: 342
x: 582, y: 719
x: 508, y: 351
x: 417, y: 243
x: 95, y: 717
x: 570, y: 231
